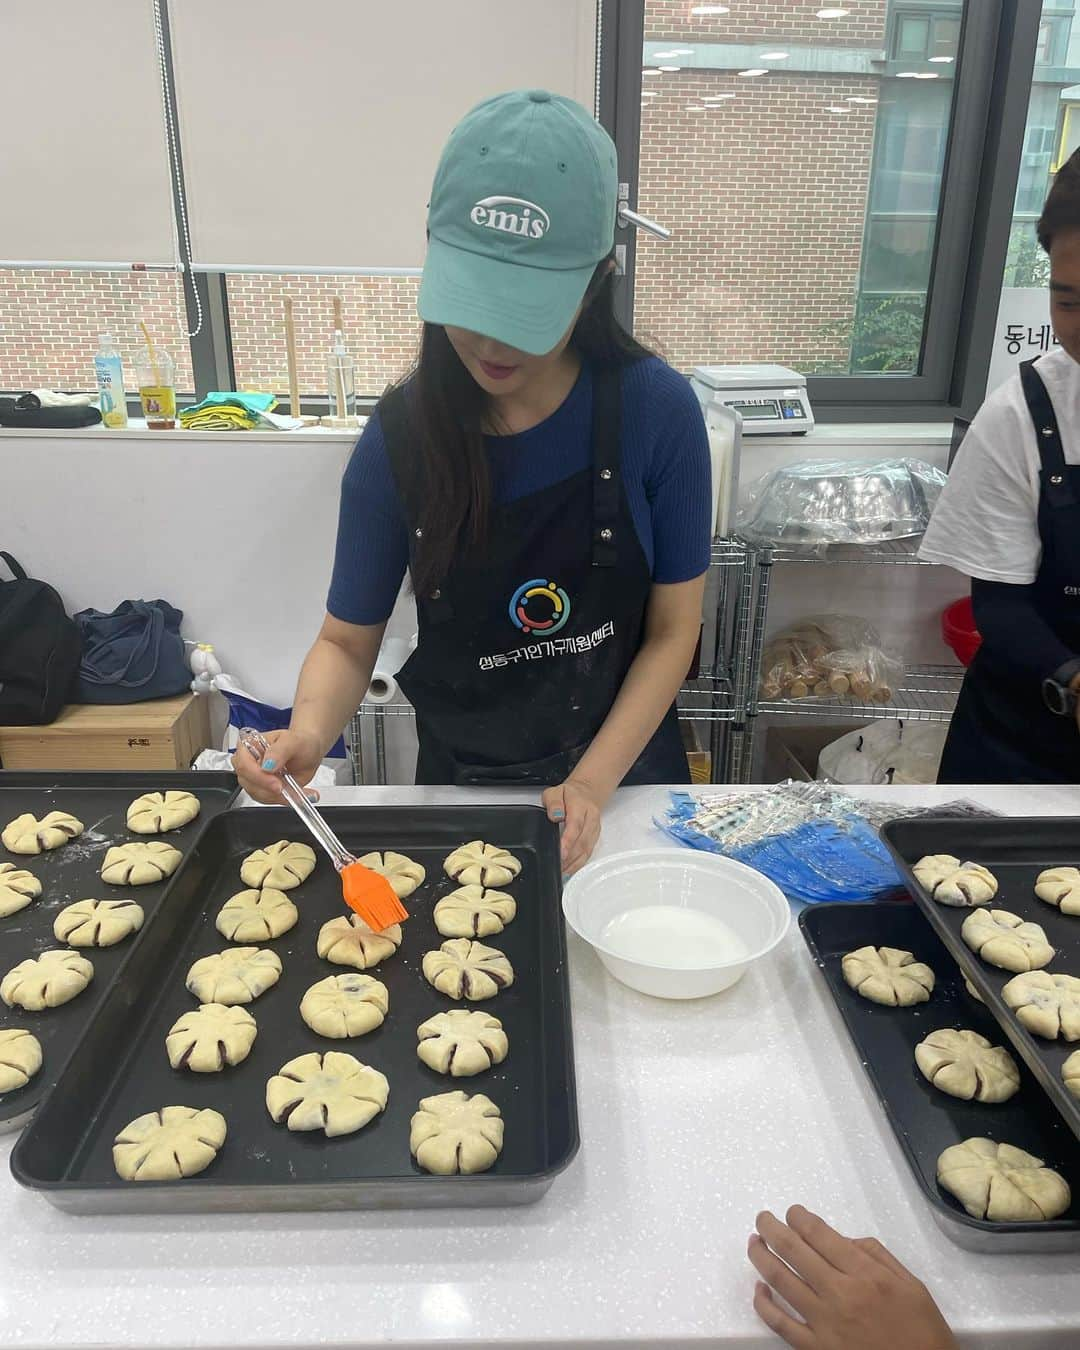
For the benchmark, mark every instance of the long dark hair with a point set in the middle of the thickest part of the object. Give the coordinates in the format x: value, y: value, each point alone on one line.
x: 446, y: 413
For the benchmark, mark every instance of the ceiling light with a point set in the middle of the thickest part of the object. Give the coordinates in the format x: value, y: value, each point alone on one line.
x: 664, y: 56
x: 833, y: 13
x: 928, y: 75
x: 858, y: 98
x: 943, y: 60
x: 749, y: 74
x: 651, y: 70
x: 669, y: 70
x: 696, y: 107
x: 682, y: 51
x: 906, y: 74
x: 837, y: 109
x: 711, y: 9
x: 774, y: 56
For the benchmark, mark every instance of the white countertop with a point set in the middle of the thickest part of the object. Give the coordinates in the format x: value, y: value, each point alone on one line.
x: 694, y: 1116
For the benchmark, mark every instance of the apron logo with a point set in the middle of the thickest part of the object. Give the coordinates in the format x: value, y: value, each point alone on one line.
x: 539, y: 606
x: 511, y: 215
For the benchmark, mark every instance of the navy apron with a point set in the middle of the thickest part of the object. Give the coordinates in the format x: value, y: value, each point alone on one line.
x: 522, y: 652
x: 1002, y: 731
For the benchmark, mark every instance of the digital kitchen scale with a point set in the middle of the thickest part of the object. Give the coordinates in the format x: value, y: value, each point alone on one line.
x: 770, y: 399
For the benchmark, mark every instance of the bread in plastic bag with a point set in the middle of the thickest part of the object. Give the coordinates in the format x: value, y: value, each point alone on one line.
x: 826, y: 657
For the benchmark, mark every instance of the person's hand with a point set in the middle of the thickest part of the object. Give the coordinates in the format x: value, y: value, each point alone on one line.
x: 851, y: 1293
x: 576, y: 805
x: 295, y: 752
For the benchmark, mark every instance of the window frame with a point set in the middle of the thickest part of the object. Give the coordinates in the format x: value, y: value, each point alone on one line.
x: 993, y: 78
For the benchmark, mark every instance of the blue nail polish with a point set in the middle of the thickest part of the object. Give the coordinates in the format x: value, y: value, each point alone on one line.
x: 565, y: 878
x: 268, y: 764
x: 558, y: 815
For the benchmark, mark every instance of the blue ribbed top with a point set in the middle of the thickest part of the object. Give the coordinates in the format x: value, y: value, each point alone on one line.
x: 665, y: 463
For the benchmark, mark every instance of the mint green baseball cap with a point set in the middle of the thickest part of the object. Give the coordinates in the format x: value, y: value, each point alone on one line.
x: 522, y: 209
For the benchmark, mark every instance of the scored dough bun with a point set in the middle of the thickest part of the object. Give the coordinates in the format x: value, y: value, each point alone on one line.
x: 46, y: 981
x: 402, y: 873
x: 140, y: 864
x: 1060, y: 886
x: 1070, y: 1073
x: 1006, y: 941
x: 951, y: 882
x: 280, y: 866
x: 888, y: 975
x: 480, y: 864
x: 1002, y: 1183
x: 348, y: 941
x: 28, y: 835
x: 255, y: 916
x: 210, y: 1038
x: 18, y: 888
x: 332, y: 1092
x: 155, y: 812
x: 236, y: 975
x: 98, y: 923
x: 20, y: 1058
x: 165, y: 1145
x: 461, y: 1043
x: 455, y: 1133
x: 473, y: 912
x: 1048, y: 1005
x: 464, y: 969
x: 345, y: 1005
x: 966, y: 1065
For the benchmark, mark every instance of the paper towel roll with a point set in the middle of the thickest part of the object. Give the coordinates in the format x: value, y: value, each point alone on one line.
x: 383, y: 687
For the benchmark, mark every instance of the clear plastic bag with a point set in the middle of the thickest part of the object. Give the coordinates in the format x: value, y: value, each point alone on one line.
x: 814, y: 841
x: 820, y: 502
x: 829, y: 656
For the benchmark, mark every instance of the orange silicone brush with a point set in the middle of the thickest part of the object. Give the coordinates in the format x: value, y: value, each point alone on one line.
x: 366, y: 892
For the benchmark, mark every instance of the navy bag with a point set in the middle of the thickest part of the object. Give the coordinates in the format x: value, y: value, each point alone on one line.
x: 132, y: 654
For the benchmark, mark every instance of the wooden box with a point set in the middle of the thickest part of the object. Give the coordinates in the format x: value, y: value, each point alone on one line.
x: 166, y: 733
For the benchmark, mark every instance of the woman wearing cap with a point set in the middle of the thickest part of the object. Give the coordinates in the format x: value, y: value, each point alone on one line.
x: 545, y: 481
x: 1009, y: 518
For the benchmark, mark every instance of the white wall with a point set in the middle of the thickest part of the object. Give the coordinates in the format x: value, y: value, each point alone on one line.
x: 237, y: 530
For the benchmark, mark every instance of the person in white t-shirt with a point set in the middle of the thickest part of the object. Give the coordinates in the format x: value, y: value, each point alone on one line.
x: 1009, y: 517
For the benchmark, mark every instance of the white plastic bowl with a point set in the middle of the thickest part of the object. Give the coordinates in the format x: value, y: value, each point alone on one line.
x: 673, y: 961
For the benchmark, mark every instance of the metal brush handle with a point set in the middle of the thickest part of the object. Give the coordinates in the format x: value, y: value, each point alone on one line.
x: 257, y: 746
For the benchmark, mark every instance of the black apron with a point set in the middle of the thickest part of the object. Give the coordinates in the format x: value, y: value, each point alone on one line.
x: 1002, y: 731
x: 522, y: 653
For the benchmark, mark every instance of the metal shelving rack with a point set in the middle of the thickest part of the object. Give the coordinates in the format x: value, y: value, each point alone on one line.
x: 923, y: 694
x: 715, y: 698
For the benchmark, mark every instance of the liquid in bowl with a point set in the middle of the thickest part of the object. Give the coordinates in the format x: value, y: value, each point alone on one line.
x: 672, y: 936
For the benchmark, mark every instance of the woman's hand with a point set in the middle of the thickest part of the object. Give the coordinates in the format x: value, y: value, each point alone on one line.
x: 576, y: 805
x: 295, y: 752
x: 848, y: 1291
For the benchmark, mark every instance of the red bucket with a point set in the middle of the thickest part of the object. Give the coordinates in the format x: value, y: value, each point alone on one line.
x: 959, y: 631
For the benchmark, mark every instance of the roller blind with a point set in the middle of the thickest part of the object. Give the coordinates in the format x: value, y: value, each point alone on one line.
x: 86, y: 178
x: 311, y: 130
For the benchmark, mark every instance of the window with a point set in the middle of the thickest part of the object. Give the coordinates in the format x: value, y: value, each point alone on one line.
x: 382, y: 331
x: 804, y: 199
x: 1051, y: 134
x: 50, y: 322
x: 925, y: 35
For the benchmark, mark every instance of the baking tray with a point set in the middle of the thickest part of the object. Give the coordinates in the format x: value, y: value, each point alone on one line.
x: 924, y: 1119
x: 71, y: 872
x: 120, y: 1069
x: 1016, y: 850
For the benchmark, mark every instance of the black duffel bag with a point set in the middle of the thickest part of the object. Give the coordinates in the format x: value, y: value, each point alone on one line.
x: 40, y: 649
